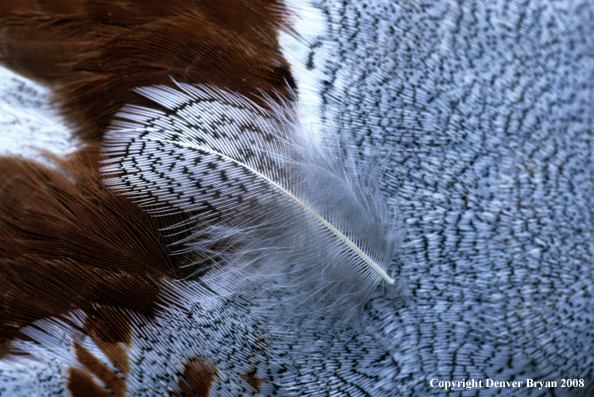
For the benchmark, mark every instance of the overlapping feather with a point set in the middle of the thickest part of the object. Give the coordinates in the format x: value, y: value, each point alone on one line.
x: 286, y: 217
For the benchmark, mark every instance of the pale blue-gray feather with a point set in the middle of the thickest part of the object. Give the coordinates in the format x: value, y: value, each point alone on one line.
x: 259, y: 183
x: 485, y: 111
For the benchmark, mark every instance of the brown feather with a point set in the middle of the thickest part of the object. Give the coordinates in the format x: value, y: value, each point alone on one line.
x: 82, y: 384
x: 196, y: 379
x: 69, y: 243
x: 95, y: 53
x: 111, y: 380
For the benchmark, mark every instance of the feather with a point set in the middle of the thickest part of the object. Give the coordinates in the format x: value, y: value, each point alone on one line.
x: 302, y: 226
x: 93, y: 53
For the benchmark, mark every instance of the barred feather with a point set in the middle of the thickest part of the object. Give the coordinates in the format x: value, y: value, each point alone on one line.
x: 298, y: 219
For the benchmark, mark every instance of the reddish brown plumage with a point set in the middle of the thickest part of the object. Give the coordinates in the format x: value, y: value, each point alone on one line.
x: 94, y: 53
x: 110, y: 329
x: 196, y: 378
x: 82, y: 384
x: 68, y: 244
x: 92, y: 364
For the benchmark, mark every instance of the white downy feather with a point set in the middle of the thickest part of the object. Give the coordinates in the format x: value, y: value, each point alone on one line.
x: 305, y: 230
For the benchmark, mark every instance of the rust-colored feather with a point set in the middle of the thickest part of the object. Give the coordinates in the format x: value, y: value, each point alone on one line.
x: 95, y: 53
x: 68, y: 245
x: 196, y: 379
x: 73, y: 251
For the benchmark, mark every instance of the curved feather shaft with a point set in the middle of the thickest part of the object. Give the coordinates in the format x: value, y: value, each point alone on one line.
x: 381, y: 272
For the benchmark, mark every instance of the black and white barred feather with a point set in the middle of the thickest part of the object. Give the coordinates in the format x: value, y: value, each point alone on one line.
x: 298, y: 221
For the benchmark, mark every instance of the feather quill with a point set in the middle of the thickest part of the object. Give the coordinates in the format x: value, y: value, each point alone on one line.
x: 294, y: 223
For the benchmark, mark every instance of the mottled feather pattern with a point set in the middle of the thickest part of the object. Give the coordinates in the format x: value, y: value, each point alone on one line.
x: 298, y: 220
x: 479, y: 112
x: 486, y: 110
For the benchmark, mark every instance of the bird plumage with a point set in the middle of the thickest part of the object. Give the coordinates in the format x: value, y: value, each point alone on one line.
x: 480, y: 113
x: 301, y: 221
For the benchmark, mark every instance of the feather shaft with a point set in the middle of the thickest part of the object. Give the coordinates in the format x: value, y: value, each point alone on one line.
x: 334, y: 230
x: 300, y: 228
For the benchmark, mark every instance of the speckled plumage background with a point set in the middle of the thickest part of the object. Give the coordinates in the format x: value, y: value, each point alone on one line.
x: 484, y: 109
x: 482, y: 112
